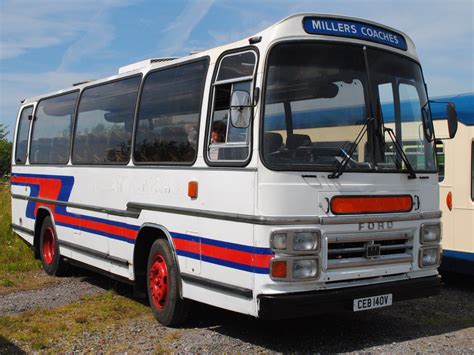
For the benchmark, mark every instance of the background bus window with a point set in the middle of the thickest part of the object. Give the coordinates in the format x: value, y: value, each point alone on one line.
x: 168, y: 117
x: 105, y: 122
x: 472, y: 171
x: 22, y: 136
x: 441, y: 159
x: 51, y: 137
x: 226, y: 142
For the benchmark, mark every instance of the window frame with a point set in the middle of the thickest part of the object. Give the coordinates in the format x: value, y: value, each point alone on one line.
x: 73, y: 121
x: 76, y: 116
x: 206, y: 60
x: 210, y: 107
x: 14, y: 154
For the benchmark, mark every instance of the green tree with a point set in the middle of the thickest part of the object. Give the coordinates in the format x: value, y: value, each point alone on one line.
x: 5, y: 151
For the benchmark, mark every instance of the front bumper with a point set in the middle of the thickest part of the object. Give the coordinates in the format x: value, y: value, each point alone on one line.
x: 302, y: 304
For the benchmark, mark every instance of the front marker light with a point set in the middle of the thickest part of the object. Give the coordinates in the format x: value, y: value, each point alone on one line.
x: 305, y: 268
x: 430, y: 233
x: 305, y: 241
x: 278, y: 269
x: 278, y: 241
x: 429, y: 257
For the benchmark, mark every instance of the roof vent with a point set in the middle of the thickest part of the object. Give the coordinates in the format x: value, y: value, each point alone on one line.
x: 144, y: 63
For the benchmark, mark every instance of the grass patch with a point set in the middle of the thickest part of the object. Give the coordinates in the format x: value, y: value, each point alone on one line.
x: 56, y: 329
x: 15, y: 255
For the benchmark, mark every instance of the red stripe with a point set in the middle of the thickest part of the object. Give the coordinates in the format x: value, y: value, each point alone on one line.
x: 236, y: 256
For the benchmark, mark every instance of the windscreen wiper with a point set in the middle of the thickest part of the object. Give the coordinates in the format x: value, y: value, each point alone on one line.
x: 341, y: 167
x: 398, y: 146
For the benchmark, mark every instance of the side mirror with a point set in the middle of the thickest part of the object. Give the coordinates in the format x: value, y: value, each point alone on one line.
x: 240, y: 109
x: 452, y: 120
x: 427, y: 124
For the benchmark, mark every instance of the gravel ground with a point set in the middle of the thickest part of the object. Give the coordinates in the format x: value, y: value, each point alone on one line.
x: 444, y: 323
x: 63, y: 291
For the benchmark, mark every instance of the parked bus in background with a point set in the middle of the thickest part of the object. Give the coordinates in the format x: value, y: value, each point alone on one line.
x: 456, y: 179
x: 259, y: 176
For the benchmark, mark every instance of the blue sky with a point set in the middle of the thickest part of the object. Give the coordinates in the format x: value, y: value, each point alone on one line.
x: 47, y: 45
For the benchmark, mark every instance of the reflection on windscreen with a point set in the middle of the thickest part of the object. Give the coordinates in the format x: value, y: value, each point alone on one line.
x: 316, y: 105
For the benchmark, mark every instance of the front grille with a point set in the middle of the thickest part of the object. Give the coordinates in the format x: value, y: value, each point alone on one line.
x: 350, y: 250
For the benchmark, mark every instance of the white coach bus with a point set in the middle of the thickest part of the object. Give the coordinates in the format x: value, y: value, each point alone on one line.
x: 456, y: 179
x: 259, y: 177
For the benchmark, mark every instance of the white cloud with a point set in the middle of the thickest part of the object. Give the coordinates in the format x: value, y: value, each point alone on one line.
x: 30, y: 24
x: 178, y: 32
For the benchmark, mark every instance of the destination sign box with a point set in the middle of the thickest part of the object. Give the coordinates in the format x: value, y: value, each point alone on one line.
x: 354, y: 29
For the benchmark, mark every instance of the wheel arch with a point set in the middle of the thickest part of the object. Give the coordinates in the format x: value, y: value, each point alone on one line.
x: 147, y: 234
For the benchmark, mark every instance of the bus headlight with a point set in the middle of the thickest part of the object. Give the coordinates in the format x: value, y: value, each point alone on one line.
x: 430, y: 256
x: 278, y: 241
x: 305, y: 241
x: 305, y: 268
x: 296, y: 241
x: 294, y: 268
x: 430, y: 233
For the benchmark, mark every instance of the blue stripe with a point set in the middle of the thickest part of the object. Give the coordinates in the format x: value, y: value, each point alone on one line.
x: 460, y: 255
x: 234, y: 265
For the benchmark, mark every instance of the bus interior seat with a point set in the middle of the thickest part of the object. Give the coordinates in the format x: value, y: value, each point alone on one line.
x: 294, y: 141
x: 272, y: 142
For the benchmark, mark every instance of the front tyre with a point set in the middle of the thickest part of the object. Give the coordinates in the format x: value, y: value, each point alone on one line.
x: 52, y: 262
x: 162, y: 284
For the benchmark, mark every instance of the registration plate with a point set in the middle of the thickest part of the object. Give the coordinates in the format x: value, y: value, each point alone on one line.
x: 362, y: 304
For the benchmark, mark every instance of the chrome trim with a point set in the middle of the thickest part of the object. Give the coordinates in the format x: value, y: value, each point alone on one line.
x: 360, y: 262
x: 219, y: 286
x: 366, y: 237
x: 361, y: 249
x: 235, y: 217
x: 22, y: 229
x: 111, y: 211
x: 134, y: 208
x: 86, y: 250
x: 393, y: 217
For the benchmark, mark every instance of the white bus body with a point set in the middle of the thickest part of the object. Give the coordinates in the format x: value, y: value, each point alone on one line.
x: 218, y: 211
x: 456, y: 186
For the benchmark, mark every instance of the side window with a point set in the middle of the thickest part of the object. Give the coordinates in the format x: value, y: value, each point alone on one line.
x: 104, y: 123
x: 51, y: 137
x: 22, y: 135
x: 441, y: 159
x: 168, y: 116
x: 227, y: 142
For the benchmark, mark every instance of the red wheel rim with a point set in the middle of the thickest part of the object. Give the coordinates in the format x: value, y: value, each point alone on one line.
x: 48, y: 246
x: 158, y: 281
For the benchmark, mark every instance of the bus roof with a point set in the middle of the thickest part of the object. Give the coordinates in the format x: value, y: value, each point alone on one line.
x: 464, y: 107
x: 298, y: 26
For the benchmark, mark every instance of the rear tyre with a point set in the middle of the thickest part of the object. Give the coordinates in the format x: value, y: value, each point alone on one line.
x: 52, y: 262
x: 162, y: 284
